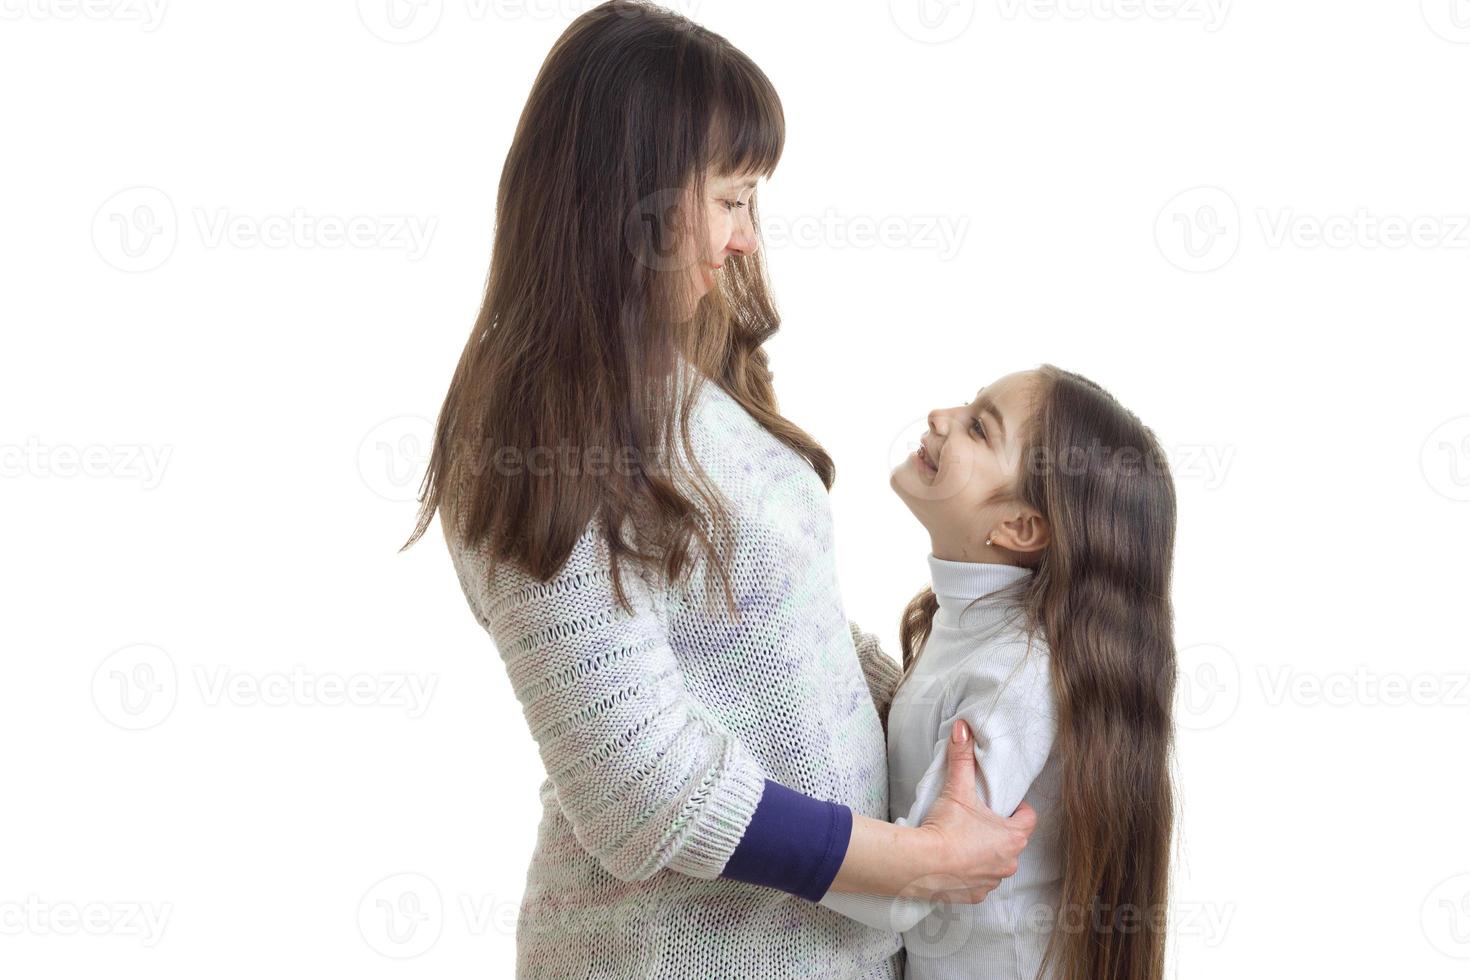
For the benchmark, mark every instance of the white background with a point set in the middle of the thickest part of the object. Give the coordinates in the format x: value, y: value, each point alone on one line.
x: 1249, y: 221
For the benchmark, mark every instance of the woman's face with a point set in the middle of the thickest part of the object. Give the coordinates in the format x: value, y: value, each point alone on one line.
x: 727, y: 219
x: 970, y: 454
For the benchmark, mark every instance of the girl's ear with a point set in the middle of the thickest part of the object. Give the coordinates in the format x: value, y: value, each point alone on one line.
x: 1027, y: 531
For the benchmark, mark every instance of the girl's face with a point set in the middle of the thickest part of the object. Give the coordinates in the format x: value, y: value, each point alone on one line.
x: 727, y: 219
x: 968, y: 464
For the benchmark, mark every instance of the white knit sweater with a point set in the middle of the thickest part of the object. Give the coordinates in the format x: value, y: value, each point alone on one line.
x: 976, y: 665
x: 657, y: 730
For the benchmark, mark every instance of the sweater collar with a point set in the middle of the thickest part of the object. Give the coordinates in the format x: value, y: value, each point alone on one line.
x: 958, y: 583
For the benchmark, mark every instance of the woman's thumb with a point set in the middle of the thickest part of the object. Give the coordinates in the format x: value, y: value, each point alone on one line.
x: 1024, y: 819
x: 959, y: 773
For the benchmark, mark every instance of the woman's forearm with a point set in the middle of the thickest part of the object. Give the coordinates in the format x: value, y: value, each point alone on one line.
x: 884, y: 858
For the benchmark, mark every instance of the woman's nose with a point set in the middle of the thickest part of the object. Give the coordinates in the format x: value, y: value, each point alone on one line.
x: 742, y: 236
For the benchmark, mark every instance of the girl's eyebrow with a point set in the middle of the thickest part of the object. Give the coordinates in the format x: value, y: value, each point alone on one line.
x: 985, y: 405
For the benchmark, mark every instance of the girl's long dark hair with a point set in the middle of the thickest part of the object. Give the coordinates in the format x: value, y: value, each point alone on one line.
x: 1100, y: 595
x: 566, y: 402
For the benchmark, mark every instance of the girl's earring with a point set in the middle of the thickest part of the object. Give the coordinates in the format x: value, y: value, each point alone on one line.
x: 987, y: 541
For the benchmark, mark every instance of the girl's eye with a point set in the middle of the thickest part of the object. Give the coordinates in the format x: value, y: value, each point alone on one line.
x: 732, y: 204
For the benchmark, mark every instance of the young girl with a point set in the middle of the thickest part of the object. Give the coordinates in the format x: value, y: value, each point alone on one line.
x: 1048, y: 629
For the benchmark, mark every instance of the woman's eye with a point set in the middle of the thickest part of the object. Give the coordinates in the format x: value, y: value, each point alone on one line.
x: 729, y: 205
x: 979, y: 429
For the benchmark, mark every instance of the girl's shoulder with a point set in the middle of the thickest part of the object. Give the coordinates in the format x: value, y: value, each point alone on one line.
x: 981, y: 663
x: 1012, y: 649
x: 1025, y: 642
x: 1014, y: 668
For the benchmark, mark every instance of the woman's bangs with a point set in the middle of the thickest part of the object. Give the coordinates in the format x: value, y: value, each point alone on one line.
x: 749, y: 128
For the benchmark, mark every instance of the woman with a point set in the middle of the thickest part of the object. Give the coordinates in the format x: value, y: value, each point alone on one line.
x: 649, y: 544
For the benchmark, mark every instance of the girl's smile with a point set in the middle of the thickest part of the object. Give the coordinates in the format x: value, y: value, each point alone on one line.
x: 925, y: 461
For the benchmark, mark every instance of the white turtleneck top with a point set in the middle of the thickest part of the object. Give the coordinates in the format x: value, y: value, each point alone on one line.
x: 976, y: 665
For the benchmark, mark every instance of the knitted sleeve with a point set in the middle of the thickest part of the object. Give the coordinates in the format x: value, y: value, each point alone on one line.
x: 1006, y: 697
x: 648, y: 777
x: 880, y: 670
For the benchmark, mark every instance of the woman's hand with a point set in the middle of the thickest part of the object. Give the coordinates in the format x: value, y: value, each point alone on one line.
x: 958, y: 854
x: 971, y: 847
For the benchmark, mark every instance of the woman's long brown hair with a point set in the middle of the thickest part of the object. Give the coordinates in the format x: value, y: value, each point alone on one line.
x: 1100, y: 595
x: 566, y: 402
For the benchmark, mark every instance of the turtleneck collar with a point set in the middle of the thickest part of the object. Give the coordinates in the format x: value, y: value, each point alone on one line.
x: 958, y: 583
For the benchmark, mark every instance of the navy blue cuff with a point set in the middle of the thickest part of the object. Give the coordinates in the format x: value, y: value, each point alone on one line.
x: 794, y: 842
